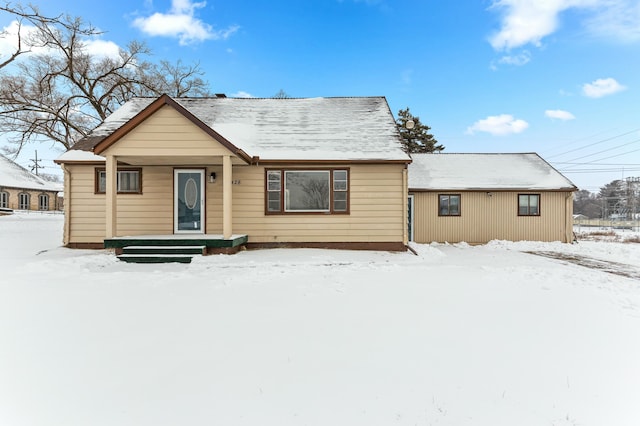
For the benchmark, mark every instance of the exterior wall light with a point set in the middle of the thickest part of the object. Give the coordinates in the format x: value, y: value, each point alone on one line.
x: 212, y: 177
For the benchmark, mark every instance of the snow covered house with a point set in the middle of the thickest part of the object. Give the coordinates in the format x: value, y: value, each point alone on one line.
x: 477, y: 198
x: 22, y: 190
x: 315, y: 172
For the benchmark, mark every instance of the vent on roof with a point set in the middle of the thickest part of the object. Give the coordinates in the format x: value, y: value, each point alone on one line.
x: 220, y: 95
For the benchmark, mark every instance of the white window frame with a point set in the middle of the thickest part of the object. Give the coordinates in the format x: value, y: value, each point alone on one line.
x: 274, y: 186
x: 45, y: 205
x: 21, y: 204
x: 4, y: 199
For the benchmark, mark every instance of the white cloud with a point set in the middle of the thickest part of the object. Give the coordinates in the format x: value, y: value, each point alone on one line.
x: 504, y: 124
x: 516, y: 60
x: 602, y: 87
x: 9, y: 43
x: 102, y: 48
x: 180, y: 22
x: 242, y: 94
x: 617, y: 19
x: 9, y: 38
x: 559, y: 114
x: 528, y: 21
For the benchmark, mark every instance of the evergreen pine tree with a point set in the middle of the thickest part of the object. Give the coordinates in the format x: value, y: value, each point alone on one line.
x: 416, y: 139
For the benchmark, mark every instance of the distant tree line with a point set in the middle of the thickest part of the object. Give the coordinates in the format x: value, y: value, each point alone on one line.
x: 619, y: 199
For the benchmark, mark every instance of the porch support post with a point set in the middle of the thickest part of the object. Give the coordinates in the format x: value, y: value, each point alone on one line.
x: 111, y: 201
x: 227, y: 208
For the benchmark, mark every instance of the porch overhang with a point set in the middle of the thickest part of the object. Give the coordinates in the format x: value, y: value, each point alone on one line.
x: 178, y: 160
x: 112, y: 162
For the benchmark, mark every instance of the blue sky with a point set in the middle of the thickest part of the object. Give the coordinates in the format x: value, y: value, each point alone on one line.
x: 557, y: 77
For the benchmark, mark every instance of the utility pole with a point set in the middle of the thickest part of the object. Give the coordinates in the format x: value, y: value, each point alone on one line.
x: 632, y: 183
x: 36, y: 164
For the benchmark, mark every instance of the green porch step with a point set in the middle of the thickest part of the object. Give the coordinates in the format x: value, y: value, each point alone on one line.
x: 172, y: 248
x: 156, y: 258
x: 160, y: 254
x: 211, y: 242
x: 195, y: 249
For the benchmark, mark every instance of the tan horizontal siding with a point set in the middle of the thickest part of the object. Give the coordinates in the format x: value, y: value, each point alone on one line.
x: 377, y: 207
x: 152, y: 211
x: 85, y: 214
x: 148, y: 213
x: 484, y: 218
x: 167, y: 133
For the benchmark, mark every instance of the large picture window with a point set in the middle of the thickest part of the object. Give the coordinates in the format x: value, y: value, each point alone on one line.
x: 449, y: 205
x: 307, y: 191
x: 129, y: 181
x: 528, y: 204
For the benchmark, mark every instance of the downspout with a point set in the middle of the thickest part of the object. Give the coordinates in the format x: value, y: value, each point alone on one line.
x: 405, y: 192
x: 66, y: 232
x: 568, y: 218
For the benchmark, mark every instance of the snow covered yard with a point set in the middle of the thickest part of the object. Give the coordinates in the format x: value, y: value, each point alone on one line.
x: 457, y: 335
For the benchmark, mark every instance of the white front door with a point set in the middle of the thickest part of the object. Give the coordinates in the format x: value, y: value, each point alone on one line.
x: 188, y: 205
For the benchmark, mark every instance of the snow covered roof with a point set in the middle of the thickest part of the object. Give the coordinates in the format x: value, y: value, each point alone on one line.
x: 358, y: 128
x: 15, y: 176
x: 526, y: 171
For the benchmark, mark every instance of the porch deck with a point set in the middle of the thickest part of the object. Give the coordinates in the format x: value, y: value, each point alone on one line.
x: 211, y: 243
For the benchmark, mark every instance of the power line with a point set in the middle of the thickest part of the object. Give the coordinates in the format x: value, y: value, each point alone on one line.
x: 605, y: 150
x: 598, y: 170
x: 613, y: 156
x: 597, y: 164
x: 592, y: 144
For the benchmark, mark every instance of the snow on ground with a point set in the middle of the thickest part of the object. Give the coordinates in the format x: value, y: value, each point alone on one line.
x: 457, y: 335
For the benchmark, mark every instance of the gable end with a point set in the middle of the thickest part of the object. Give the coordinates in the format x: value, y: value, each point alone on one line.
x: 152, y: 109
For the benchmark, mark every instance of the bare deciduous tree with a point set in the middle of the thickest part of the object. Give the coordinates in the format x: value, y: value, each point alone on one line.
x: 179, y: 80
x: 62, y: 91
x: 31, y: 15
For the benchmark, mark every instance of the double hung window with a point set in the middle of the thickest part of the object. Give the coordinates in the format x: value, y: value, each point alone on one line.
x: 4, y: 200
x: 528, y: 204
x: 24, y: 201
x: 43, y: 202
x: 449, y: 205
x: 128, y: 181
